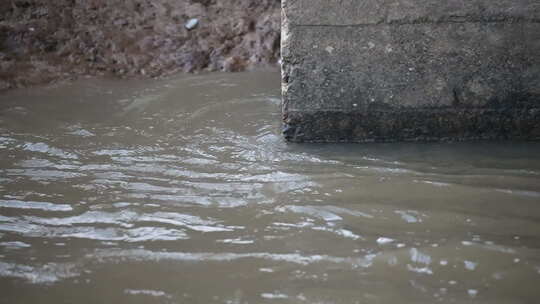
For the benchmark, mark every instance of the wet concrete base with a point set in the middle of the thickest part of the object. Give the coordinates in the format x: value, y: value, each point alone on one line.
x: 413, y: 125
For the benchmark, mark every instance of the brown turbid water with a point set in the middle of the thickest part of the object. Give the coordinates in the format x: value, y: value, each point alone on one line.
x: 183, y: 191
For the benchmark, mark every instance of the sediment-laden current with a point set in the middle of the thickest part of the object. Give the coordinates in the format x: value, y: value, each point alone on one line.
x: 183, y: 191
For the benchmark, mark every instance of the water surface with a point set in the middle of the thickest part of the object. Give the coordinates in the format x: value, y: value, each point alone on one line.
x: 183, y: 191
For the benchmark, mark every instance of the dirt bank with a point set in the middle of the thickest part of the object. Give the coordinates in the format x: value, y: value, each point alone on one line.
x: 43, y: 41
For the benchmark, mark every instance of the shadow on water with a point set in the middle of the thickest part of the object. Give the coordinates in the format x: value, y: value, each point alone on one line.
x: 182, y: 190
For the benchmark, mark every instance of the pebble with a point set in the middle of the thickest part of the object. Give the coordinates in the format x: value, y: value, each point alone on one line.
x: 192, y: 23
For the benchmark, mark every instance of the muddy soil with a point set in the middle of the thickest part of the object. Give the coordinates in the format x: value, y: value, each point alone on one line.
x: 44, y: 41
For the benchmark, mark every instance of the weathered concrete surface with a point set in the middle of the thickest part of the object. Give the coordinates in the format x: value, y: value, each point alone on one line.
x: 388, y: 70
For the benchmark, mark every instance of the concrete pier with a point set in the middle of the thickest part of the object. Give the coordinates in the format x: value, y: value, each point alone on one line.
x: 401, y: 70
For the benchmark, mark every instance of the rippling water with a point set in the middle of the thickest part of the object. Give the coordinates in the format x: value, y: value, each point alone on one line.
x: 183, y: 191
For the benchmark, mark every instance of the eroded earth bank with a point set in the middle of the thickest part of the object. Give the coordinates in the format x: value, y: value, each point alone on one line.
x: 44, y: 41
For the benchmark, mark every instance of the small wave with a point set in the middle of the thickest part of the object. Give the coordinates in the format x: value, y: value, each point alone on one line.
x: 15, y: 245
x: 340, y: 232
x: 44, y: 148
x: 16, y: 204
x: 311, y: 210
x: 147, y: 292
x: 44, y: 175
x: 295, y: 258
x: 520, y: 192
x: 43, y: 274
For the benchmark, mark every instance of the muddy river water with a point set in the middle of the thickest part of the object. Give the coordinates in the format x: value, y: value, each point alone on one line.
x: 183, y: 191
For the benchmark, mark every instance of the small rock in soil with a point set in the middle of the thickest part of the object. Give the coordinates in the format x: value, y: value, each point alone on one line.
x: 192, y: 23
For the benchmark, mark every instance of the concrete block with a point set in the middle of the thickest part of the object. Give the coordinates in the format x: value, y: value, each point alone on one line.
x: 401, y: 70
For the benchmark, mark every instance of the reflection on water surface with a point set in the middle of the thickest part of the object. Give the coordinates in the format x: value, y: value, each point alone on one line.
x: 183, y: 191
